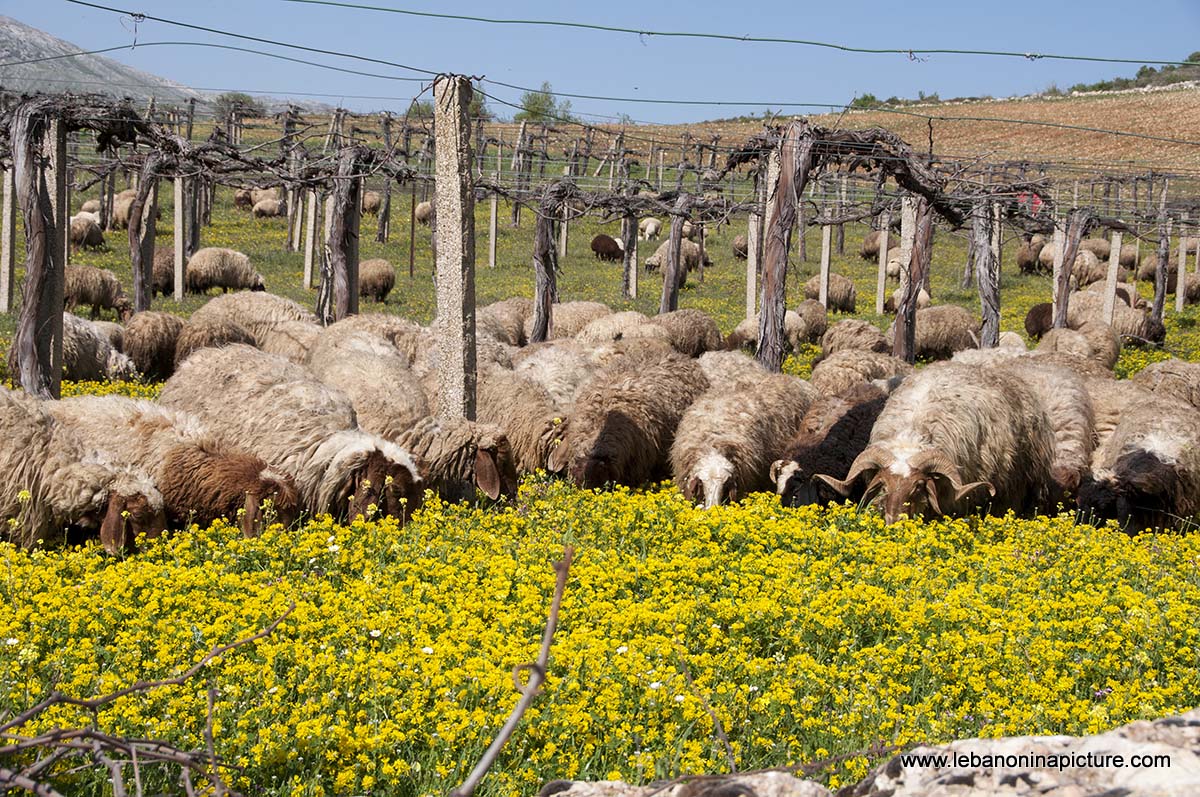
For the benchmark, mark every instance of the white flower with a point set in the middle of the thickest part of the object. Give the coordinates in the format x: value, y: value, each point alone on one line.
x: 428, y: 651
x: 334, y: 549
x: 332, y: 539
x: 753, y: 688
x: 375, y: 633
x: 656, y: 685
x: 12, y: 640
x: 622, y: 649
x: 679, y: 698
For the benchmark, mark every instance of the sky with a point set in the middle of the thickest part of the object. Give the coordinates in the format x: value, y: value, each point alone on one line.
x: 762, y: 75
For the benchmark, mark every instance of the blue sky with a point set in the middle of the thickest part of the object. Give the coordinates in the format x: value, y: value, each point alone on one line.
x: 589, y: 62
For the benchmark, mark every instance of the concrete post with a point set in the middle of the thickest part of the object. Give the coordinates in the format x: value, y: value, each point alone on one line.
x: 310, y: 237
x: 8, y: 251
x: 1110, y: 285
x: 881, y: 277
x: 823, y: 292
x: 180, y: 191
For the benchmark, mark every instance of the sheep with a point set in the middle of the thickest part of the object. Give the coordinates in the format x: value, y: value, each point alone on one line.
x: 1147, y: 473
x: 745, y: 335
x: 893, y: 301
x: 731, y: 368
x: 205, y: 334
x: 292, y: 340
x: 263, y: 195
x: 1087, y: 367
x: 1064, y: 397
x: 85, y: 232
x: 461, y: 456
x: 1129, y: 255
x: 632, y: 352
x: 624, y: 421
x: 98, y: 287
x: 119, y: 218
x: 568, y: 318
x: 843, y: 296
x: 88, y: 355
x: 1149, y: 268
x: 256, y: 312
x: 113, y: 332
x: 814, y: 318
x: 853, y: 333
x: 1125, y: 292
x: 372, y: 202
x: 844, y: 369
x: 689, y: 230
x: 833, y: 432
x: 1011, y: 340
x: 605, y: 248
x: 51, y: 483
x: 162, y: 279
x: 559, y: 367
x: 227, y: 269
x: 618, y: 326
x: 376, y: 278
x: 689, y: 257
x: 1097, y: 246
x: 243, y: 199
x: 727, y: 439
x: 1175, y: 378
x: 424, y: 212
x: 150, y: 339
x: 529, y: 416
x: 1191, y: 288
x: 407, y: 337
x: 691, y: 332
x: 279, y: 411
x: 1111, y: 399
x: 895, y: 263
x: 90, y: 206
x: 269, y: 208
x: 1088, y: 270
x: 1091, y: 341
x: 741, y: 247
x: 941, y: 331
x: 200, y: 477
x: 386, y: 394
x: 505, y: 320
x: 1104, y: 341
x: 649, y: 228
x: 1028, y: 255
x: 1087, y: 306
x: 871, y: 243
x: 1000, y: 441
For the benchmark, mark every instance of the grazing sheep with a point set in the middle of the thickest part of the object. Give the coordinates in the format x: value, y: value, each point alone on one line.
x: 263, y: 195
x: 162, y: 279
x: 1091, y: 341
x: 1146, y: 474
x: 412, y: 340
x: 895, y: 263
x: 522, y: 407
x: 1174, y: 378
x: 113, y: 332
x: 624, y: 421
x: 741, y: 247
x: 631, y: 352
x: 815, y: 320
x: 243, y: 199
x: 372, y: 202
x: 387, y: 396
x: 1087, y: 307
x: 1011, y: 340
x: 689, y: 257
x: 1104, y: 341
x: 1149, y: 267
x: 567, y: 319
x: 1089, y: 270
x: 745, y: 335
x: 292, y: 340
x: 205, y: 334
x: 255, y: 312
x: 227, y: 269
x: 424, y: 212
x: 560, y: 367
x: 731, y: 367
x: 619, y: 326
x: 689, y: 230
x: 1191, y: 288
x: 605, y: 248
x: 727, y: 439
x: 1126, y: 293
x: 1000, y: 442
x: 269, y: 208
x: 1111, y: 399
x: 200, y: 477
x: 98, y: 287
x: 843, y: 296
x: 505, y: 320
x: 1039, y: 320
x: 846, y: 368
x: 376, y: 278
x: 89, y: 357
x: 119, y: 218
x: 85, y: 232
x: 1097, y: 246
x: 461, y: 456
x: 833, y: 432
x: 279, y: 411
x: 51, y: 484
x: 893, y: 301
x: 1028, y: 255
x: 1129, y: 255
x: 941, y: 331
x: 853, y: 333
x: 150, y: 339
x: 1087, y: 367
x: 871, y: 243
x: 90, y: 206
x: 649, y: 228
x: 1064, y: 397
x: 691, y: 332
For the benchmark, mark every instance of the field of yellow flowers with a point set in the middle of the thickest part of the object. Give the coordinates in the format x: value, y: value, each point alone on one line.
x: 807, y: 633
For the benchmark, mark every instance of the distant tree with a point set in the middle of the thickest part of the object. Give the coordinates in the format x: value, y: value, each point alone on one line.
x: 238, y: 102
x: 541, y: 106
x: 867, y: 100
x: 421, y: 109
x: 478, y: 108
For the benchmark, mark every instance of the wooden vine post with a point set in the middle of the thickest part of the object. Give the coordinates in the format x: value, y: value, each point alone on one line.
x: 454, y: 196
x: 1164, y: 251
x: 143, y: 216
x: 1077, y: 222
x: 384, y: 231
x: 904, y: 343
x: 39, y: 150
x: 673, y: 272
x: 545, y: 265
x: 337, y: 297
x: 823, y: 278
x: 987, y: 272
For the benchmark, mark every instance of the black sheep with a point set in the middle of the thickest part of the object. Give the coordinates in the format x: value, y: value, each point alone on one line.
x: 605, y: 247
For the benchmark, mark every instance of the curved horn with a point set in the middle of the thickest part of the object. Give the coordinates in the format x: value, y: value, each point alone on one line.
x: 938, y: 462
x: 870, y: 459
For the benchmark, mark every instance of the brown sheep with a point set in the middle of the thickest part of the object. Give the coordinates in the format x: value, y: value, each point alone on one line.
x: 163, y: 274
x: 941, y: 331
x: 1028, y: 255
x: 505, y: 320
x: 150, y: 339
x: 691, y: 332
x: 741, y: 247
x: 843, y: 296
x: 424, y: 213
x: 208, y: 334
x: 372, y: 202
x: 842, y: 370
x: 242, y: 199
x: 376, y: 278
x: 871, y: 242
x: 853, y: 333
x: 525, y: 411
x: 814, y: 318
x: 86, y: 233
x: 605, y: 247
x: 98, y: 287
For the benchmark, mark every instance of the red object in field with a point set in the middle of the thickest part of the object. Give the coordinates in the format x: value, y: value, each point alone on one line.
x: 1032, y: 201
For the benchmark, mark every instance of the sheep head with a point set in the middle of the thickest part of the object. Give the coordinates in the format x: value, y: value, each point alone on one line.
x: 799, y: 487
x: 713, y: 479
x: 280, y: 490
x: 131, y: 512
x: 257, y: 284
x: 1139, y: 492
x: 927, y: 483
x: 123, y: 308
x: 384, y: 483
x: 495, y: 473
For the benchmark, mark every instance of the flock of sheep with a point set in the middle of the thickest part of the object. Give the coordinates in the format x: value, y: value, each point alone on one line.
x: 265, y: 415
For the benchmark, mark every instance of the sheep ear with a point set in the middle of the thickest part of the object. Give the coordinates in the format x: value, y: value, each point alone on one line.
x: 694, y: 487
x: 251, y: 516
x: 487, y: 475
x: 112, y: 529
x: 557, y: 461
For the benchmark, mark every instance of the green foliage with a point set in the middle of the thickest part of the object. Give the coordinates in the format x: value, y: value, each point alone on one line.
x: 241, y: 103
x: 867, y: 100
x: 541, y: 106
x: 421, y: 109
